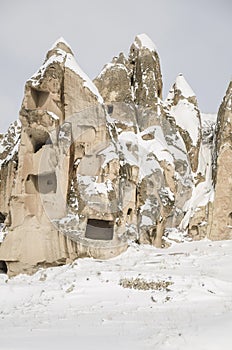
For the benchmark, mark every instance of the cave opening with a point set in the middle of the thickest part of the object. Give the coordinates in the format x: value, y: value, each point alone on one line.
x: 230, y: 219
x: 2, y: 218
x: 3, y: 267
x: 99, y: 229
x: 194, y: 230
x: 42, y: 183
x: 39, y: 97
x: 39, y: 138
x: 110, y: 109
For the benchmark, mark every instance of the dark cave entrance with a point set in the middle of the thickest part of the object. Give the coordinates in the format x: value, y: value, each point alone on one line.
x: 38, y: 139
x: 2, y: 218
x: 229, y: 220
x: 39, y: 97
x: 99, y: 229
x: 3, y: 267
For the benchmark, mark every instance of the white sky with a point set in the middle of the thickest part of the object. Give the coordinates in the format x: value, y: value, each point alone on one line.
x: 192, y: 37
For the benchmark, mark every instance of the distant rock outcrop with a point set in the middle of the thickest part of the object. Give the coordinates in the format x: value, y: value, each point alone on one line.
x: 92, y: 166
x: 220, y: 225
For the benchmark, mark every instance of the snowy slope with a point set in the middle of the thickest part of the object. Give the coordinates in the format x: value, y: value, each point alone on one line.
x: 82, y: 305
x: 183, y: 109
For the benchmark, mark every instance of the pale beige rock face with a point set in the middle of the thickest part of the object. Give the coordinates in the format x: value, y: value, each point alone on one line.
x: 221, y: 219
x: 58, y: 129
x: 114, y: 82
x: 135, y: 79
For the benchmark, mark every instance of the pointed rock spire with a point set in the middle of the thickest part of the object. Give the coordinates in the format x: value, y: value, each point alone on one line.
x: 114, y: 81
x: 221, y: 218
x: 134, y: 79
x: 57, y: 77
x: 181, y: 104
x: 181, y: 90
x: 146, y: 73
x: 182, y: 85
x: 142, y: 41
x: 59, y: 44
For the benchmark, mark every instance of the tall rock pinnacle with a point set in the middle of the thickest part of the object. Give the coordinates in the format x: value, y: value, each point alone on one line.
x: 134, y: 79
x: 146, y: 72
x: 221, y: 218
x: 182, y: 106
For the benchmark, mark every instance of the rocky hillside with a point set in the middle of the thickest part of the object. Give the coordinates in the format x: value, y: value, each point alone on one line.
x: 92, y: 166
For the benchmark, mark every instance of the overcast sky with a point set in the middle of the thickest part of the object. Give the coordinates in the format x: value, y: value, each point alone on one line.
x: 192, y: 37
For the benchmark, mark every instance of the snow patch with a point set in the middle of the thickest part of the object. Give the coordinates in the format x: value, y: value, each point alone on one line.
x: 186, y: 117
x: 182, y: 85
x: 145, y: 42
x: 145, y: 154
x: 93, y: 187
x: 203, y: 193
x: 53, y: 115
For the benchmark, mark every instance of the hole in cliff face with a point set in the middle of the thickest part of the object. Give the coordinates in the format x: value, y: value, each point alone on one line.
x: 39, y: 97
x: 194, y: 230
x: 154, y: 233
x: 3, y: 267
x: 110, y: 109
x: 39, y: 138
x: 230, y: 219
x: 181, y: 166
x: 99, y: 229
x: 132, y: 80
x: 2, y: 218
x: 43, y: 183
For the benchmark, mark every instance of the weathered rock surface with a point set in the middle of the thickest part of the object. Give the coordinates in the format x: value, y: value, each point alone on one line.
x: 220, y: 226
x: 91, y: 166
x: 9, y: 144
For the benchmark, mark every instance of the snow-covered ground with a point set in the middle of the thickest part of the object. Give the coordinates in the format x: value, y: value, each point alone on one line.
x: 83, y: 306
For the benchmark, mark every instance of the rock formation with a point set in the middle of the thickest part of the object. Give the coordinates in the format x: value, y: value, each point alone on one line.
x: 182, y: 107
x: 92, y: 166
x: 220, y: 223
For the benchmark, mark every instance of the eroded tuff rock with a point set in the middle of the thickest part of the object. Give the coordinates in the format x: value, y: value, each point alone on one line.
x: 92, y: 166
x: 136, y: 78
x: 220, y: 225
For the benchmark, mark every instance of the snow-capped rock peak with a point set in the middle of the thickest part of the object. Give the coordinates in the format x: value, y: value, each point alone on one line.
x: 143, y: 41
x: 60, y: 43
x: 182, y: 85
